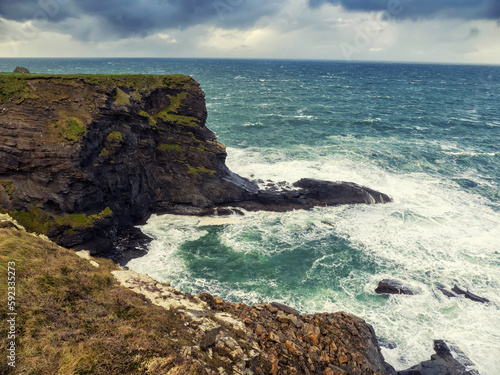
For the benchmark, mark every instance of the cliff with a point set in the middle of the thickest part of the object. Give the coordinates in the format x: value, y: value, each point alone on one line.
x: 83, y: 158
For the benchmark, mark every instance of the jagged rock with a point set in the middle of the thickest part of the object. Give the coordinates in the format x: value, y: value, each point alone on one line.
x: 209, y: 331
x: 441, y: 363
x: 395, y: 287
x: 20, y: 69
x: 338, y: 342
x: 447, y: 293
x: 285, y: 308
x: 469, y: 295
x: 307, y: 193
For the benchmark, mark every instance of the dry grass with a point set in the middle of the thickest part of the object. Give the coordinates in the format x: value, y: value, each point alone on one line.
x: 73, y: 318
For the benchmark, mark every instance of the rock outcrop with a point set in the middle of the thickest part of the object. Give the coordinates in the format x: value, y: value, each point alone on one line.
x: 388, y: 286
x: 83, y: 158
x: 21, y: 70
x: 443, y: 363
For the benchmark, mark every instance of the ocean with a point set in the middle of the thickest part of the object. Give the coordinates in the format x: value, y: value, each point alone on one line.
x: 427, y: 135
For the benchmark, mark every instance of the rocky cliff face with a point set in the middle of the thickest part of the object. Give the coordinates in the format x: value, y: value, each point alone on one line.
x: 84, y: 156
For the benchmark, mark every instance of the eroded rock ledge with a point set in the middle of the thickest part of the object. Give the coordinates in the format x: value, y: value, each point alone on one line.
x: 86, y: 157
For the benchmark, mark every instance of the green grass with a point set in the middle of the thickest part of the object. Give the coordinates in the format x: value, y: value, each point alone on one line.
x: 14, y: 86
x: 73, y: 318
x: 122, y: 98
x: 73, y: 131
x: 151, y: 119
x: 115, y: 137
x: 170, y: 114
x: 104, y: 153
x: 169, y: 147
x: 199, y: 170
x: 38, y: 221
x: 183, y: 120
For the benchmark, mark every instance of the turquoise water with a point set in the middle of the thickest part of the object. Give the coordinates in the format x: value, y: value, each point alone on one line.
x: 428, y: 135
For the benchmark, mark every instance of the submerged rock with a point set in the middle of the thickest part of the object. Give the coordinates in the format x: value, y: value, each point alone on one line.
x: 395, y: 287
x: 447, y: 293
x: 469, y: 295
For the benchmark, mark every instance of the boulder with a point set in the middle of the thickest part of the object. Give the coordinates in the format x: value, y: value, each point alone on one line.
x: 20, y: 69
x: 395, y: 287
x: 285, y: 308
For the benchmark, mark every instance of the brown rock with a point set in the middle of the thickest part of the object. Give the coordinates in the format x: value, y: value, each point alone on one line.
x: 282, y: 317
x: 311, y: 333
x: 259, y: 329
x: 260, y: 306
x: 342, y: 359
x: 275, y: 366
x: 274, y: 337
x: 294, y: 349
x: 297, y: 322
x: 272, y: 308
x: 218, y: 300
x: 285, y: 308
x: 314, y: 353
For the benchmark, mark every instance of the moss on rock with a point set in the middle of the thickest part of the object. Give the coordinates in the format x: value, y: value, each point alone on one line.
x: 8, y: 186
x: 122, y: 98
x: 114, y: 137
x: 38, y: 221
x: 169, y: 147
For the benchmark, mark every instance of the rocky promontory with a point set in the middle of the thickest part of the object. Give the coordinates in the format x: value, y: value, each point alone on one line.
x: 84, y: 158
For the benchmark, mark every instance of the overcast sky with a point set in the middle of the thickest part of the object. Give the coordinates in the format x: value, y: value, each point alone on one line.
x: 458, y: 31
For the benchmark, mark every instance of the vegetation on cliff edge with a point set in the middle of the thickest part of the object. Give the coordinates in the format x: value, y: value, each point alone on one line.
x: 73, y: 318
x: 15, y: 87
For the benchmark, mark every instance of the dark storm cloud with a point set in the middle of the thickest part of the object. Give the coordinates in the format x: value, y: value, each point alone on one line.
x: 413, y: 9
x: 474, y: 32
x: 122, y: 18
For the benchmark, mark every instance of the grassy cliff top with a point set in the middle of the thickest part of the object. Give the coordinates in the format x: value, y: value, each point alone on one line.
x: 73, y: 318
x: 15, y: 85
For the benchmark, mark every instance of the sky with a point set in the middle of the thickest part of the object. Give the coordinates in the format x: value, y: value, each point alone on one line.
x: 445, y: 31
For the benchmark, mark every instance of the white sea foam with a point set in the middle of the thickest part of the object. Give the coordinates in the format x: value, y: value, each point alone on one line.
x: 433, y: 233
